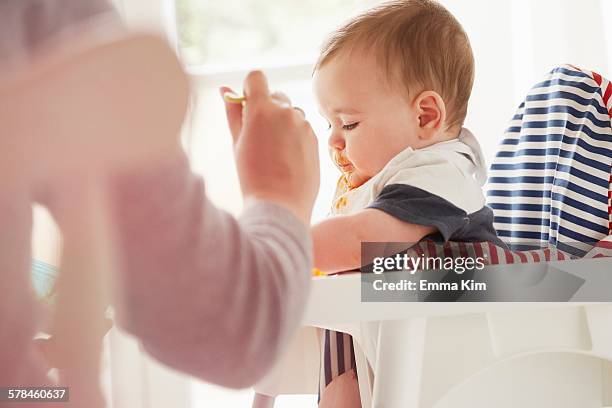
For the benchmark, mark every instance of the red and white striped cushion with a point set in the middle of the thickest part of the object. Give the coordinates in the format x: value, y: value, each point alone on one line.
x: 493, y: 254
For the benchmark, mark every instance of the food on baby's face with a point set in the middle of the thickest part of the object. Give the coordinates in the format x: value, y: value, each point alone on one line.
x: 342, y: 162
x: 351, y: 176
x: 345, y: 166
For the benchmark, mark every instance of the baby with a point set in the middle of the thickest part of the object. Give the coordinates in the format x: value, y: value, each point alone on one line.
x: 394, y: 85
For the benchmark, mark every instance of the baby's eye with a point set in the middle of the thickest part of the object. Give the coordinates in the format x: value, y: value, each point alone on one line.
x: 350, y: 126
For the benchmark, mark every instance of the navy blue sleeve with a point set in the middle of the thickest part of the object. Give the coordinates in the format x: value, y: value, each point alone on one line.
x: 417, y: 206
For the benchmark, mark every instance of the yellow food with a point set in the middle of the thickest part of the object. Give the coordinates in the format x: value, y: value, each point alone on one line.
x: 340, y: 159
x: 231, y: 97
x: 317, y: 272
x: 340, y: 203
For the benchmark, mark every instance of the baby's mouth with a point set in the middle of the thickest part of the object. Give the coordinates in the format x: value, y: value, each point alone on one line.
x: 342, y: 162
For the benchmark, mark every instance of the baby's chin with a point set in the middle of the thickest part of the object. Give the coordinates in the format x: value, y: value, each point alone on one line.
x: 355, y: 179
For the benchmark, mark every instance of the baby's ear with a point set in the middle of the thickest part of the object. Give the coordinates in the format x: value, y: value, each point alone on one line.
x: 431, y: 112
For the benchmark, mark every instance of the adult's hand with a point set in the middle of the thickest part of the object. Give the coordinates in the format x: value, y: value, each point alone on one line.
x: 275, y: 148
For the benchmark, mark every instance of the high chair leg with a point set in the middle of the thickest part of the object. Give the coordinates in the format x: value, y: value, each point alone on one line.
x: 263, y: 401
x: 606, y: 383
x: 399, y: 363
x: 364, y: 374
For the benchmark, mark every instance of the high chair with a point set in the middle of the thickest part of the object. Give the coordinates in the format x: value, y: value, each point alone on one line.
x: 551, y: 182
x: 95, y: 101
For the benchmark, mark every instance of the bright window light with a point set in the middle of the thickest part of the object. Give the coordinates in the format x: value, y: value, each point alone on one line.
x: 255, y: 32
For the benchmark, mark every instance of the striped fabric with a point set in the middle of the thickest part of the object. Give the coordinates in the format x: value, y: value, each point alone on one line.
x: 551, y: 179
x: 337, y: 358
x: 606, y: 92
x: 493, y: 254
x: 602, y: 249
x: 610, y: 206
x: 43, y: 278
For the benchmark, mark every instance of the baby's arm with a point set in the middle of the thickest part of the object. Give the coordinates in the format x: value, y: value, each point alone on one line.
x: 337, y: 240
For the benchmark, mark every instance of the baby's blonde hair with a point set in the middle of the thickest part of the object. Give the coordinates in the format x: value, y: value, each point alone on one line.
x: 419, y: 43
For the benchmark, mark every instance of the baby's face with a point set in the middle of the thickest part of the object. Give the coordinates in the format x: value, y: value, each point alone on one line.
x: 370, y: 122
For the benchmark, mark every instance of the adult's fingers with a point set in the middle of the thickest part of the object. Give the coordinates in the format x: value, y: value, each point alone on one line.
x: 281, y: 97
x: 233, y: 111
x: 284, y: 100
x: 256, y: 87
x: 301, y: 111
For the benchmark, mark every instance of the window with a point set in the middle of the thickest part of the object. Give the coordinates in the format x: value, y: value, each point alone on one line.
x: 246, y: 33
x: 220, y: 41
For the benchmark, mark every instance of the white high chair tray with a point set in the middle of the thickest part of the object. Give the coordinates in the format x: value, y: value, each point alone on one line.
x: 512, y: 329
x: 335, y: 301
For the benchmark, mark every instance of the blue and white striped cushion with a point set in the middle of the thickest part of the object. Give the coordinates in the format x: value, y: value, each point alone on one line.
x: 550, y: 181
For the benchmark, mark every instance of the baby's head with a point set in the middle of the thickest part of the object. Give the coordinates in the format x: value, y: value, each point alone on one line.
x: 397, y: 76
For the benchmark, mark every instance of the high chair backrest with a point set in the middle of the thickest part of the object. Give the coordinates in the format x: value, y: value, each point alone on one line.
x: 100, y: 103
x: 551, y: 179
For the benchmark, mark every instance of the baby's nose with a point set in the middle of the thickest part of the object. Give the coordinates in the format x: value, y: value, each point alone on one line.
x: 336, y: 141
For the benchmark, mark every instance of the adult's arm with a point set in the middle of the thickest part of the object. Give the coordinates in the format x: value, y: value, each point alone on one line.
x: 208, y: 294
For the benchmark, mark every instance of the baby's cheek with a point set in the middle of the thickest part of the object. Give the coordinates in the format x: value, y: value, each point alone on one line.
x: 371, y: 163
x: 363, y: 157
